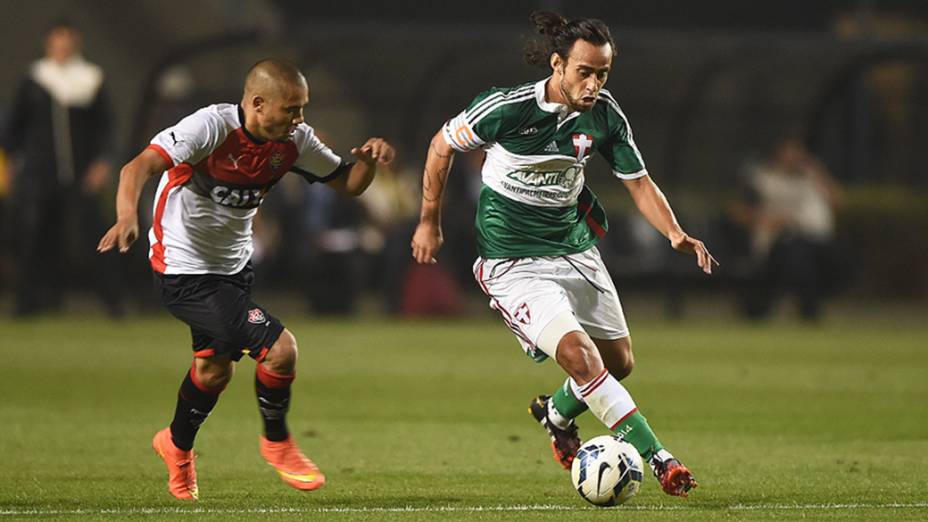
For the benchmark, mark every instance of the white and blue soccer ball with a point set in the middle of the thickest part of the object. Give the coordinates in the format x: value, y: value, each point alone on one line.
x: 607, y: 471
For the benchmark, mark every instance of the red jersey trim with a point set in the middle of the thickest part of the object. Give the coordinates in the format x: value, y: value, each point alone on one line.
x: 591, y: 221
x: 161, y: 152
x: 175, y: 179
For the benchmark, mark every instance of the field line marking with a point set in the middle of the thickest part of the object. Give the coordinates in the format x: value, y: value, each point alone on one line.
x: 454, y: 509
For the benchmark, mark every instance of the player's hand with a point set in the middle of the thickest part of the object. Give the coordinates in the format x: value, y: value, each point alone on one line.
x: 120, y: 235
x: 375, y: 150
x: 426, y: 241
x: 691, y: 245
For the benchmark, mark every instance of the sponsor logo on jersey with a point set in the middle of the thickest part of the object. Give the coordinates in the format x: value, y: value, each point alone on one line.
x: 276, y: 160
x: 552, y: 147
x: 523, y: 314
x: 565, y: 178
x: 235, y: 160
x: 256, y: 316
x: 528, y: 131
x: 582, y: 144
x: 237, y: 197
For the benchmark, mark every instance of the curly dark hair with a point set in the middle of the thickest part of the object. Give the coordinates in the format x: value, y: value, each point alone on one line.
x: 556, y: 34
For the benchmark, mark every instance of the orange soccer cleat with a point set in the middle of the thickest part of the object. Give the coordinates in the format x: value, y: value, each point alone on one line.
x: 292, y: 466
x: 182, y: 473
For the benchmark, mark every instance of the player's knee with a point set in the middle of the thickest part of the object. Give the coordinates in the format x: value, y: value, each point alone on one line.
x: 577, y: 354
x: 623, y: 369
x: 281, y: 358
x: 625, y: 362
x: 213, y: 375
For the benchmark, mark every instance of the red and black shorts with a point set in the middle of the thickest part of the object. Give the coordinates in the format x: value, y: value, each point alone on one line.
x: 222, y: 317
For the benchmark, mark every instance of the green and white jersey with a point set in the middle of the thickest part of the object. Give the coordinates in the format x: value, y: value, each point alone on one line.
x: 534, y: 201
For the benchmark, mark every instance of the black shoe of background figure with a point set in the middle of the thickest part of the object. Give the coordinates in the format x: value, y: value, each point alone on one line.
x: 564, y: 442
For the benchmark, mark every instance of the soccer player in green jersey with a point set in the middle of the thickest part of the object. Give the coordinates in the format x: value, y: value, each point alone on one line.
x: 538, y: 225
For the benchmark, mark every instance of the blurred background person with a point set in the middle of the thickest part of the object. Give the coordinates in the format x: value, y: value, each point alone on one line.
x: 390, y: 203
x: 58, y: 131
x: 789, y: 210
x: 439, y: 289
x: 317, y: 243
x: 334, y: 275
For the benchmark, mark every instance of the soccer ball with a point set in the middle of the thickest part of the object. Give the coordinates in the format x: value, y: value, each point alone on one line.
x: 607, y: 471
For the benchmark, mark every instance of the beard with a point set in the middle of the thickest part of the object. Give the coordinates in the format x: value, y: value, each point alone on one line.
x: 573, y: 102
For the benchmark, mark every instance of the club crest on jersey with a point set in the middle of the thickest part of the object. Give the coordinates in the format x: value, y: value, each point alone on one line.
x: 256, y: 316
x: 583, y: 143
x: 276, y: 160
x: 523, y: 314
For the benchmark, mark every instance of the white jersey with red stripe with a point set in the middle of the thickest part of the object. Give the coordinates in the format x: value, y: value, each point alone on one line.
x: 219, y: 175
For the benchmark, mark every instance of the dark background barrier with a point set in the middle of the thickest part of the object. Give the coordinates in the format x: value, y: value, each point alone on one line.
x: 708, y: 90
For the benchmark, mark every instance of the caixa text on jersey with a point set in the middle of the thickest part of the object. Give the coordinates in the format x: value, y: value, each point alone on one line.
x: 237, y: 197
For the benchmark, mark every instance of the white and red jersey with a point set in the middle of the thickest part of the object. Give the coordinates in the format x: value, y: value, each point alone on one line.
x: 219, y: 174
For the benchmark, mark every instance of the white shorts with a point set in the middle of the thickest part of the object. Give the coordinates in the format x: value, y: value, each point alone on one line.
x: 531, y: 291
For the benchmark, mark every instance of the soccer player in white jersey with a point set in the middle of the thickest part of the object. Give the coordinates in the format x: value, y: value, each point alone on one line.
x: 216, y: 166
x: 538, y: 225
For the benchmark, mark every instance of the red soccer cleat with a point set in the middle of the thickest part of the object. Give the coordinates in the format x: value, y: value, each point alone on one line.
x: 182, y: 473
x: 292, y: 466
x: 674, y: 477
x: 564, y: 442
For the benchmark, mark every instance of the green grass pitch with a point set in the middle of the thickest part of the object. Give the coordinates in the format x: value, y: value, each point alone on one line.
x: 426, y: 420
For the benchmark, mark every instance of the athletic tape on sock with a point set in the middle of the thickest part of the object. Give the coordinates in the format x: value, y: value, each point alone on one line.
x: 609, y: 401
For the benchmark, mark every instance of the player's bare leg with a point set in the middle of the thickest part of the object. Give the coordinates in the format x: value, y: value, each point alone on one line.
x: 578, y: 356
x: 556, y: 412
x: 272, y: 382
x: 617, y: 355
x: 197, y: 396
x: 611, y: 403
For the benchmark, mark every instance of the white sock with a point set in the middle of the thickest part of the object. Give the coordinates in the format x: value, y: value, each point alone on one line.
x: 555, y: 416
x: 609, y: 401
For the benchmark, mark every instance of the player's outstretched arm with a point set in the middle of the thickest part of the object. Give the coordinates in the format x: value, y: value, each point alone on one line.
x: 654, y: 207
x: 132, y: 178
x: 427, y: 239
x: 361, y: 173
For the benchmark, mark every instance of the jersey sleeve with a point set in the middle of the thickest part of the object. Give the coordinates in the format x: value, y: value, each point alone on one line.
x: 620, y: 150
x: 478, y: 124
x: 192, y: 139
x: 316, y: 161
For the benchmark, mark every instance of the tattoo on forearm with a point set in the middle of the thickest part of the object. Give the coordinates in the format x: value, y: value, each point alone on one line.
x: 433, y: 184
x: 439, y: 154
